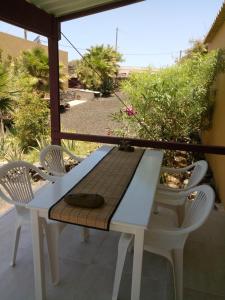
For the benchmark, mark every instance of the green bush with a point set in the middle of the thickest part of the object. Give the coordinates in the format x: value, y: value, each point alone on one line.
x: 31, y: 119
x: 174, y: 103
x: 10, y: 148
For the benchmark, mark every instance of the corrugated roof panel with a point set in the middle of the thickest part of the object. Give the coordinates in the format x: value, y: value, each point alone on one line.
x: 63, y: 7
x: 71, y: 6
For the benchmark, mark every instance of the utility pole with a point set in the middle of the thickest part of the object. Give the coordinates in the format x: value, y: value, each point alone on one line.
x: 25, y: 34
x: 117, y: 29
x: 180, y: 54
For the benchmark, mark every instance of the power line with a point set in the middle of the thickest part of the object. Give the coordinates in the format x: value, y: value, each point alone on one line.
x: 140, y: 122
x: 158, y: 53
x: 127, y: 54
x: 65, y: 46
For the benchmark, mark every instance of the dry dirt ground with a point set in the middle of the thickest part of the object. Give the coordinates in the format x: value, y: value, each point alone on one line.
x: 92, y: 117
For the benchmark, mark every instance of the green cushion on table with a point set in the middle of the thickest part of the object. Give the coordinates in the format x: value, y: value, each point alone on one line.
x: 84, y: 200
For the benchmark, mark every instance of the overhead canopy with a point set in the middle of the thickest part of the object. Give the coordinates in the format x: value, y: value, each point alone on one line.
x: 65, y: 10
x: 218, y: 23
x: 44, y: 16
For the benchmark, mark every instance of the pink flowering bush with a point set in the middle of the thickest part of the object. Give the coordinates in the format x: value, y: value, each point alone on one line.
x: 129, y: 111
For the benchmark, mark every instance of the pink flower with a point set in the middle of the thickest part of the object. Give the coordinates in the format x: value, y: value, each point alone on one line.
x: 129, y: 111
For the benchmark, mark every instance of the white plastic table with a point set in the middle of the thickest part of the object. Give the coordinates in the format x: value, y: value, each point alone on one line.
x: 132, y: 215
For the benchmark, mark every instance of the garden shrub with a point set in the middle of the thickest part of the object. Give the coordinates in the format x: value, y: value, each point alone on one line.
x: 31, y: 119
x: 174, y: 103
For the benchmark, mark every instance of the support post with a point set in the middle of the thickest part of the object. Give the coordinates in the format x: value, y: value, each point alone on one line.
x: 53, y: 54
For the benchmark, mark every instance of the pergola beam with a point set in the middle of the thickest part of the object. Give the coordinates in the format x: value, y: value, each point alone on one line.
x: 23, y: 14
x: 53, y: 54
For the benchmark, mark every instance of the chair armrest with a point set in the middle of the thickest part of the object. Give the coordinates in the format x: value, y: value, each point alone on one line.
x: 75, y: 157
x: 166, y: 238
x: 176, y: 170
x: 44, y: 175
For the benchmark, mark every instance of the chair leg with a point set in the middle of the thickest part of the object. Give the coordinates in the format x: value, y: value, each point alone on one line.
x: 155, y: 208
x: 52, y: 239
x: 85, y: 234
x: 123, y: 245
x: 178, y: 271
x: 15, y: 244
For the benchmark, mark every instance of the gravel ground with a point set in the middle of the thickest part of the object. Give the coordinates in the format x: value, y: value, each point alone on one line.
x: 92, y: 117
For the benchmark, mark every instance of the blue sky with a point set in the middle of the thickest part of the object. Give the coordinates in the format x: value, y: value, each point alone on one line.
x: 149, y: 33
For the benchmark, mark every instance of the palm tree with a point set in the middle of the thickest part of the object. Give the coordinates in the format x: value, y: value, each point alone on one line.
x: 98, y: 68
x: 6, y: 106
x: 34, y: 65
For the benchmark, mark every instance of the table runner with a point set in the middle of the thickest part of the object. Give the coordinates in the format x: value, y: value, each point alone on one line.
x: 110, y: 178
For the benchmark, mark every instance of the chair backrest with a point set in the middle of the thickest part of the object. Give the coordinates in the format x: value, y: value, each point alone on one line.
x: 15, y: 182
x: 199, y: 170
x: 198, y: 207
x: 51, y: 158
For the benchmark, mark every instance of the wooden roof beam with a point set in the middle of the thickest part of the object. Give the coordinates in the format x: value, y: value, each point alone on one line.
x: 28, y: 16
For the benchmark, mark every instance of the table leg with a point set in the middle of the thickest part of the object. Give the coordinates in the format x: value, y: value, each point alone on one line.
x: 38, y: 257
x: 137, y: 264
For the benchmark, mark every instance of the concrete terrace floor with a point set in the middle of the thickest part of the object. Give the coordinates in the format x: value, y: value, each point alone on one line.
x: 87, y: 269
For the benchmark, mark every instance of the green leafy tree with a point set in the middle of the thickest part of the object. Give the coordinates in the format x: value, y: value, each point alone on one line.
x: 98, y: 69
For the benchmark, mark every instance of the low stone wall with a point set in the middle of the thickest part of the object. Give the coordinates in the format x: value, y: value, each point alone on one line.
x: 68, y: 95
x: 78, y: 94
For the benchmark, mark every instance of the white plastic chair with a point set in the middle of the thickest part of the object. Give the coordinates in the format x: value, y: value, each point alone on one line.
x: 197, y: 169
x: 16, y: 189
x: 164, y: 237
x: 52, y: 160
x: 170, y: 196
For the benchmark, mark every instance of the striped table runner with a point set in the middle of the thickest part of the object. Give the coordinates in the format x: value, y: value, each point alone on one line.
x: 110, y: 178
